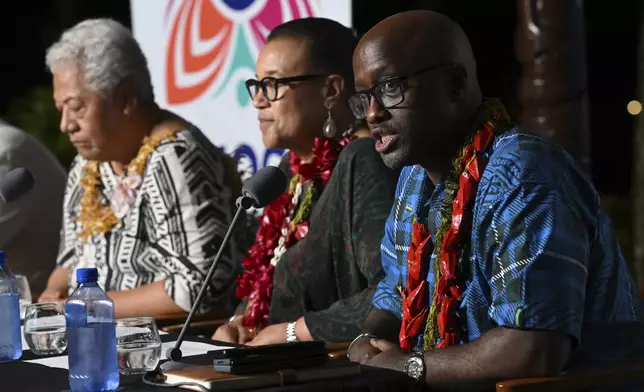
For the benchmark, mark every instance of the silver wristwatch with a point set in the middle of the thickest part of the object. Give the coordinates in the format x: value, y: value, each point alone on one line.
x: 290, y: 333
x: 415, y: 367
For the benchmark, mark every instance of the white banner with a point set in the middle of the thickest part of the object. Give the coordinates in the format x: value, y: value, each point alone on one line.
x: 200, y: 52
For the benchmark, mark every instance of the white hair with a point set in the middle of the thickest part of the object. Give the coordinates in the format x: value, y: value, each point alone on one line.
x: 106, y: 53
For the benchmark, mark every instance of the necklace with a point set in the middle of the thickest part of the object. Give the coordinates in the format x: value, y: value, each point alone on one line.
x: 284, y: 223
x: 96, y: 215
x: 441, y: 321
x: 281, y: 245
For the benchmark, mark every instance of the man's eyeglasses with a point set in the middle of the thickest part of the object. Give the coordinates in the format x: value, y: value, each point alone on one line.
x: 388, y: 93
x: 270, y: 86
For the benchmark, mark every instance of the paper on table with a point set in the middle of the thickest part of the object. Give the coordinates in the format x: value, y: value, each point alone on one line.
x: 53, y: 362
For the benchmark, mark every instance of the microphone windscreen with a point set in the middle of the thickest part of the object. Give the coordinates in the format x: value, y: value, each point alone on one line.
x: 15, y: 184
x: 265, y: 186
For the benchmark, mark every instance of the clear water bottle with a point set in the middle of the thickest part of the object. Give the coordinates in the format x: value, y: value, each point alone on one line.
x: 10, y: 340
x: 91, y: 336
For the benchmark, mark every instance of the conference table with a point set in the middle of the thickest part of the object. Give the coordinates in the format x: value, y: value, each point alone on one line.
x: 34, y: 373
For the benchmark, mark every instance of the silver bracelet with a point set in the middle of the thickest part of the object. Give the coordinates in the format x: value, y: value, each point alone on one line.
x: 362, y: 335
x: 290, y: 333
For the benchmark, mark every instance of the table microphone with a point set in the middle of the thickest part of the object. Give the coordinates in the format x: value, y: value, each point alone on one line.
x: 258, y: 191
x: 15, y: 184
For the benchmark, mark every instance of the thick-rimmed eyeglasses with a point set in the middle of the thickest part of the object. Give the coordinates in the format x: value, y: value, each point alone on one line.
x: 269, y: 86
x: 388, y: 93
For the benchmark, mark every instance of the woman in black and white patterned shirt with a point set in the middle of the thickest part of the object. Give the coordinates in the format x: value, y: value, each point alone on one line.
x: 148, y: 198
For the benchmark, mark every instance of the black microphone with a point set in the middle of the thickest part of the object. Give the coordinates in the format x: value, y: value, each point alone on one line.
x: 15, y: 184
x: 262, y: 188
x: 259, y: 190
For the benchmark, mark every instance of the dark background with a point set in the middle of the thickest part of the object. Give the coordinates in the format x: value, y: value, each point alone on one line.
x: 29, y: 27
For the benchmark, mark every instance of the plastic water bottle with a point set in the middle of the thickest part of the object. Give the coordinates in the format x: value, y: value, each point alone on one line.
x: 91, y: 336
x: 10, y: 340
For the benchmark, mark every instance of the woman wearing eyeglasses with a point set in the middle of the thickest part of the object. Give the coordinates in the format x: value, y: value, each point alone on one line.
x: 315, y: 263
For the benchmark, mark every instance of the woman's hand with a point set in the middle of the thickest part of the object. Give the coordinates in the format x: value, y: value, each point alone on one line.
x: 233, y: 332
x: 57, y: 286
x: 276, y: 334
x: 273, y: 334
x: 53, y: 295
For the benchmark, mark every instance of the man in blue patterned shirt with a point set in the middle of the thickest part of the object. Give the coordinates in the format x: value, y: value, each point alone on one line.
x: 546, y: 286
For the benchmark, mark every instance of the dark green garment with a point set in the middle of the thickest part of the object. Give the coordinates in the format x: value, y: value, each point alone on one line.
x: 330, y: 276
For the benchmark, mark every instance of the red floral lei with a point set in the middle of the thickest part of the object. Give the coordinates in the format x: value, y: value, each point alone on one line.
x: 256, y: 283
x: 456, y: 219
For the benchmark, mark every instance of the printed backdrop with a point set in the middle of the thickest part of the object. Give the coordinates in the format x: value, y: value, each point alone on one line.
x: 200, y: 52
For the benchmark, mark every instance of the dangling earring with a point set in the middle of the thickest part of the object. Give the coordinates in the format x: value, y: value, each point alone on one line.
x: 329, y: 129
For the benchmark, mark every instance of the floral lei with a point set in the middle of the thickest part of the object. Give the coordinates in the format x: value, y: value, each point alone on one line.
x: 95, y: 216
x: 283, y: 224
x: 442, y: 321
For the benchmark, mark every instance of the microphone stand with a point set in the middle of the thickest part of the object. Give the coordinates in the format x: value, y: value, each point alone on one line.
x: 174, y: 354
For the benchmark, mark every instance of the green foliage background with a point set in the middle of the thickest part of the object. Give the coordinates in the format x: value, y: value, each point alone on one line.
x: 35, y: 113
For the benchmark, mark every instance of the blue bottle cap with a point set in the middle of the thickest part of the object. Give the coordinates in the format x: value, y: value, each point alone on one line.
x: 86, y: 275
x: 3, y: 258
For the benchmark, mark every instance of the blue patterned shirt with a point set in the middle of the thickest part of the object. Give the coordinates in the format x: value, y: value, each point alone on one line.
x: 542, y: 255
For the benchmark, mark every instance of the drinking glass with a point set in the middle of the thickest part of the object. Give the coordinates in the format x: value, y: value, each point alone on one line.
x: 24, y: 294
x: 138, y: 345
x: 45, y: 328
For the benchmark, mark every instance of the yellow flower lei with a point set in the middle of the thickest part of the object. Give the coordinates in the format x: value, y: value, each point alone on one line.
x: 96, y: 217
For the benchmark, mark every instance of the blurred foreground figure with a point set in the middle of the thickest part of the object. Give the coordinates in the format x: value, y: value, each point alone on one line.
x: 30, y: 225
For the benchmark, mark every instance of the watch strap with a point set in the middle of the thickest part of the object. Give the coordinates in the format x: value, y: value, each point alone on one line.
x: 290, y: 333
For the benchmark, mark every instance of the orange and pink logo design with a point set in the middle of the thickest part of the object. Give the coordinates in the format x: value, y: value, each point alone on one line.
x: 209, y: 40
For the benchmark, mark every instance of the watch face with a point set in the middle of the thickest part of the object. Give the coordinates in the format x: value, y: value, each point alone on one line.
x: 415, y: 367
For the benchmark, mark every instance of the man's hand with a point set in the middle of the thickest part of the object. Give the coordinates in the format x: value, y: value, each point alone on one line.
x: 273, y: 334
x: 391, y: 355
x: 484, y: 361
x: 362, y: 350
x: 233, y: 332
x: 53, y: 295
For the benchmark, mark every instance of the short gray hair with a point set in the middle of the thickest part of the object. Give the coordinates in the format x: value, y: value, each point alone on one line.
x: 107, y: 54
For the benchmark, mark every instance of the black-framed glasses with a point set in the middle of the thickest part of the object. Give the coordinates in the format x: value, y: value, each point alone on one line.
x: 270, y: 86
x: 388, y: 93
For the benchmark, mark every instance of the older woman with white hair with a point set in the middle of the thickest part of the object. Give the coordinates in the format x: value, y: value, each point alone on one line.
x: 148, y: 198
